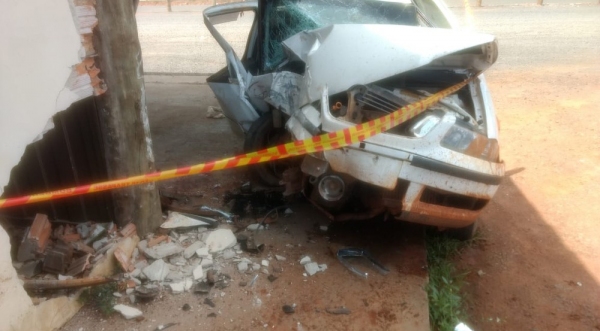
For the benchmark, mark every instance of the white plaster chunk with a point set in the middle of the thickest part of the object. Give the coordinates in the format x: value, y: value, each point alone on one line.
x: 198, y: 272
x: 311, y: 268
x: 191, y: 249
x: 305, y: 260
x: 163, y: 250
x: 220, y: 239
x: 157, y: 271
x: 202, y: 252
x: 178, y: 287
x: 128, y: 312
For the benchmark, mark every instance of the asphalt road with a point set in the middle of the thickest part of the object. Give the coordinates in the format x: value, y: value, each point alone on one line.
x: 178, y: 42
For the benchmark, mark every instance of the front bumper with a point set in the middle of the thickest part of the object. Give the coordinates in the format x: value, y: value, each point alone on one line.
x: 424, y: 168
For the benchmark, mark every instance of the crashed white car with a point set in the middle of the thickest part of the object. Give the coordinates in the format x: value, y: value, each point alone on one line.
x: 316, y: 66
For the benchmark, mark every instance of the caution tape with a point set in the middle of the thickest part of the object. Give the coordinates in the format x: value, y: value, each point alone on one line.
x: 327, y: 141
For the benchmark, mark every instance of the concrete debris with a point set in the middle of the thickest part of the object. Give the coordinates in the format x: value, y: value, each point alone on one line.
x: 214, y: 112
x: 191, y: 249
x: 305, y: 260
x: 84, y: 229
x: 280, y: 258
x: 63, y: 277
x: 99, y: 244
x: 265, y: 271
x: 117, y: 295
x: 203, y: 252
x: 161, y: 251
x: 256, y: 302
x: 322, y: 267
x: 128, y: 312
x: 242, y: 266
x: 132, y: 298
x: 178, y: 260
x: 188, y: 283
x: 180, y: 220
x: 178, y: 287
x: 220, y: 239
x: 174, y: 276
x: 198, y: 273
x: 157, y: 271
x: 207, y: 262
x: 228, y: 254
x: 311, y: 268
x: 255, y: 266
x: 288, y: 211
x: 255, y: 227
x: 265, y: 263
x: 166, y: 326
x: 129, y: 291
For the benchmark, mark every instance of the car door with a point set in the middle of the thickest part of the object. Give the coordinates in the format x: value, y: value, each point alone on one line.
x: 230, y: 83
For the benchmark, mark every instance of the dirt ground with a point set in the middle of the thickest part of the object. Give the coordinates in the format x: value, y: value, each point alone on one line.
x: 538, y: 254
x: 540, y: 251
x: 183, y: 136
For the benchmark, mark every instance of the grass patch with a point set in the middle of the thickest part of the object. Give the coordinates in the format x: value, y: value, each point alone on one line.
x: 446, y: 306
x: 101, y: 297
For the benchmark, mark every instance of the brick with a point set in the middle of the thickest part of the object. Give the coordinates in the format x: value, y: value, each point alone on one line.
x: 157, y: 240
x: 40, y: 232
x: 128, y: 230
x: 58, y: 258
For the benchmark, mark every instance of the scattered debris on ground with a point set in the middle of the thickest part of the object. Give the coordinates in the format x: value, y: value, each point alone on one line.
x: 214, y: 112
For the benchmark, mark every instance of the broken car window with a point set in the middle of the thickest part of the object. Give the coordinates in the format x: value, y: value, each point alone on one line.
x: 285, y: 18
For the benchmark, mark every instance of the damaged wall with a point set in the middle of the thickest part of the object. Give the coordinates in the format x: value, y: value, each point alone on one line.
x: 44, y: 69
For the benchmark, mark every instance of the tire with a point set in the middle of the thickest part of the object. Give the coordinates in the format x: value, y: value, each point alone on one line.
x: 463, y: 234
x: 263, y: 134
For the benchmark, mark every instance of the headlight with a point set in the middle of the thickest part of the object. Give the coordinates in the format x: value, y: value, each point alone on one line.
x: 424, y: 126
x: 465, y: 141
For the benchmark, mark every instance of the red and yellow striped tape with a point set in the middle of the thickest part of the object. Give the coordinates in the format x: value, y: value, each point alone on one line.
x: 327, y: 141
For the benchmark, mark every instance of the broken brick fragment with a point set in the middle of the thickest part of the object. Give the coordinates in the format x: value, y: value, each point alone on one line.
x: 40, y: 231
x: 157, y: 240
x: 128, y: 230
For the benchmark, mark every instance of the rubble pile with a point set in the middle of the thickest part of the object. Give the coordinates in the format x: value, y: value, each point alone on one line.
x: 67, y: 252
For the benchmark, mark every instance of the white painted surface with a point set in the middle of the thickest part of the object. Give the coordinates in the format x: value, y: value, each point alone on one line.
x: 38, y: 46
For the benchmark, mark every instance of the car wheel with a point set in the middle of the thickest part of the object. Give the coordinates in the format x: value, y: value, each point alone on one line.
x: 463, y: 234
x: 262, y: 134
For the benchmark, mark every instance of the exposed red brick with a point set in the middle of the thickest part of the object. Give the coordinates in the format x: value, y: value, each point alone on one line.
x: 40, y: 232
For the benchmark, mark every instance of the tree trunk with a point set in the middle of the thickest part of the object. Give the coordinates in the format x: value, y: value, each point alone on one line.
x: 123, y: 113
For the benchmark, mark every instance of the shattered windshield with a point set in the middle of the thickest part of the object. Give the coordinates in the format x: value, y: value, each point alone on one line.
x: 285, y: 18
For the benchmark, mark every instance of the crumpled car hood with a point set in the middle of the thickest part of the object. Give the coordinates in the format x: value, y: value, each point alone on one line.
x: 340, y: 56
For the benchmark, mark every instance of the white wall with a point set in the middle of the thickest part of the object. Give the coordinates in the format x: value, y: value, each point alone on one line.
x: 38, y: 45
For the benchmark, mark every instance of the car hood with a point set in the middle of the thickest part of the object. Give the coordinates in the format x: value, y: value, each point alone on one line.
x: 340, y: 56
